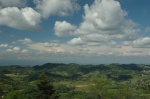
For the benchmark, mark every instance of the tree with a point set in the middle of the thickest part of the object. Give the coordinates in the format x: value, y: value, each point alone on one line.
x: 46, y: 89
x: 107, y: 89
x: 15, y: 95
x: 101, y: 90
x: 1, y: 92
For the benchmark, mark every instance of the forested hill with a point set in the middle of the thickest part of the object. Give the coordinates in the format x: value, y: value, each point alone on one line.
x: 90, y: 67
x: 70, y: 80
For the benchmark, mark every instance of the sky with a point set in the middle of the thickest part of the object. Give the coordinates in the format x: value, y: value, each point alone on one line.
x: 74, y: 31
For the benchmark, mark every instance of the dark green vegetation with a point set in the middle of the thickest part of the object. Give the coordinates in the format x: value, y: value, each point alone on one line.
x: 73, y: 81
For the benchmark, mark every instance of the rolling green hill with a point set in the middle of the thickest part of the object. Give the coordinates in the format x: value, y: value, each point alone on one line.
x: 74, y: 81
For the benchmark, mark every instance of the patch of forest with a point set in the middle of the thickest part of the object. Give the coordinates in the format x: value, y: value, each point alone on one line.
x: 74, y: 81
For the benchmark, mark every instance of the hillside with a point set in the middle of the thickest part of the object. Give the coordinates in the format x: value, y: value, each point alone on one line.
x: 74, y: 81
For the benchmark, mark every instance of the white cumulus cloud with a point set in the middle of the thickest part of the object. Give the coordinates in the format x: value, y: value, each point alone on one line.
x: 142, y: 42
x: 104, y: 22
x: 16, y: 49
x: 25, y: 18
x: 64, y: 28
x: 104, y: 14
x: 24, y: 51
x: 3, y: 45
x: 76, y: 41
x: 55, y: 7
x: 25, y: 41
x: 107, y: 18
x: 9, y: 50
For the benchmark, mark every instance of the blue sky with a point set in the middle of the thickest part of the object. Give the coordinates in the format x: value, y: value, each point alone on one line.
x: 74, y: 31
